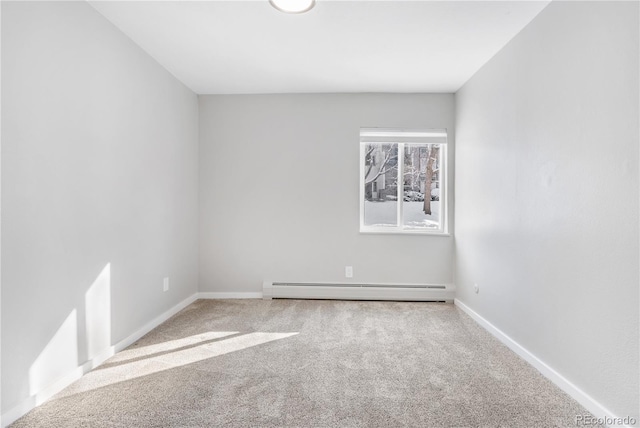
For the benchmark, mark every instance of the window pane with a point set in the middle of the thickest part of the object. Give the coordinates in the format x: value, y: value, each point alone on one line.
x: 381, y: 184
x: 421, y: 181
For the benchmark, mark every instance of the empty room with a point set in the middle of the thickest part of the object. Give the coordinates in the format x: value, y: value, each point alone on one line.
x: 320, y: 213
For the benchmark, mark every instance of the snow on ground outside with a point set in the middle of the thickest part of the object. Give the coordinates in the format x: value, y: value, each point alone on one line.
x: 384, y: 214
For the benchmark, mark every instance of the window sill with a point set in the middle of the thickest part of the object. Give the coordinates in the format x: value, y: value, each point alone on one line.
x: 403, y: 232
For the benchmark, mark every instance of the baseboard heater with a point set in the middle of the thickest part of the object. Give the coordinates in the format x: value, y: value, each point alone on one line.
x: 337, y: 291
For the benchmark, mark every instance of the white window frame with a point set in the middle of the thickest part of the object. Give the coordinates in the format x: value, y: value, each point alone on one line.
x: 401, y: 138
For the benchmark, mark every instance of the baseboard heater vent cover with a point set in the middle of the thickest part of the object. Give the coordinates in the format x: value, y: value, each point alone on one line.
x: 337, y: 291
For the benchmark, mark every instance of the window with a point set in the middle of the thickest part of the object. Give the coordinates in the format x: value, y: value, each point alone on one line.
x: 403, y: 181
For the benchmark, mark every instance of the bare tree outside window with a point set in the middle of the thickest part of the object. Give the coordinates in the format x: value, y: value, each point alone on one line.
x: 381, y: 184
x: 431, y: 169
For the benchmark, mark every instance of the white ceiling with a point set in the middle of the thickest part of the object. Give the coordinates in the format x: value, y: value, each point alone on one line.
x: 239, y: 47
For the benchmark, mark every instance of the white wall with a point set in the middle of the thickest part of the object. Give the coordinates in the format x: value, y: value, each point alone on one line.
x: 547, y: 195
x: 99, y: 191
x: 279, y: 191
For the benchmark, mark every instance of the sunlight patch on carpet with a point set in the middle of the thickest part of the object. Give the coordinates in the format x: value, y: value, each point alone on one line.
x: 156, y: 364
x: 170, y: 345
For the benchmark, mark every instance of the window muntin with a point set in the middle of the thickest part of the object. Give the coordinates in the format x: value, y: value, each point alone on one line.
x: 403, y: 181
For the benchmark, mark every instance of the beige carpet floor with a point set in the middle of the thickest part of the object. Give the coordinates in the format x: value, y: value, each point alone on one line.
x: 296, y: 363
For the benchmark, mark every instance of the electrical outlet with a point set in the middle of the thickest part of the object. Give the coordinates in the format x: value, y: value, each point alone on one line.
x: 348, y: 271
x: 476, y: 288
x: 165, y: 284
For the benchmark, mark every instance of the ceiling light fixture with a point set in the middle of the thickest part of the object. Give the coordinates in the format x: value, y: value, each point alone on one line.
x: 293, y: 6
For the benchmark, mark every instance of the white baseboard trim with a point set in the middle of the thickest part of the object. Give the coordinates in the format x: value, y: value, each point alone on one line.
x: 41, y: 396
x: 229, y: 295
x: 132, y: 338
x: 52, y: 389
x: 597, y: 409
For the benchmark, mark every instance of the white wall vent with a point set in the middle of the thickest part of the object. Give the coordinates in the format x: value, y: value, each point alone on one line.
x: 338, y: 291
